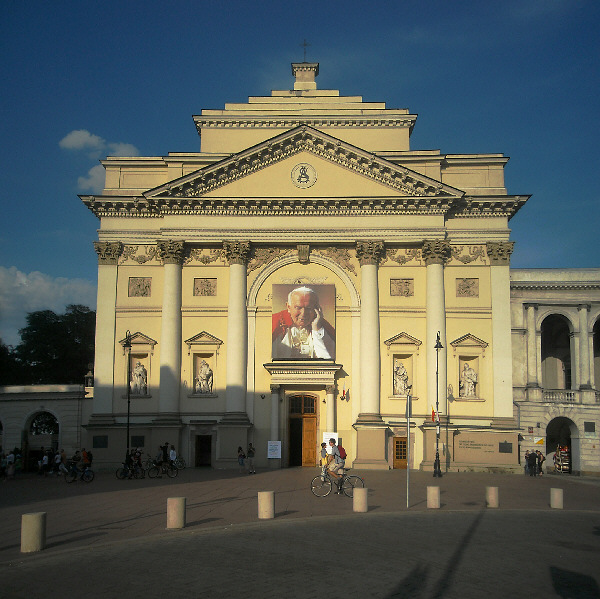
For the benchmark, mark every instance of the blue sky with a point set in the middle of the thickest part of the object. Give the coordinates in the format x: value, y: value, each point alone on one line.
x: 519, y: 77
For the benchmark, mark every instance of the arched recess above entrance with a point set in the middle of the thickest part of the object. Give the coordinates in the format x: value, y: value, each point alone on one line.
x: 274, y: 266
x: 31, y: 416
x: 569, y: 316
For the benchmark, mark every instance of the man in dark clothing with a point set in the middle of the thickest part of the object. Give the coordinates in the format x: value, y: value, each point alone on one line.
x: 532, y: 461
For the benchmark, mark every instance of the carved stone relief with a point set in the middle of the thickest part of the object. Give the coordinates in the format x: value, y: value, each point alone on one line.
x: 467, y: 254
x: 140, y: 286
x: 402, y: 287
x: 403, y: 255
x: 205, y: 287
x: 340, y: 256
x: 139, y: 253
x: 203, y: 255
x: 108, y: 252
x: 467, y: 287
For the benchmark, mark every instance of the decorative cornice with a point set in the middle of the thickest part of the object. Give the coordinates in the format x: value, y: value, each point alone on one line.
x: 108, y: 252
x: 489, y: 206
x: 499, y: 252
x: 370, y: 252
x: 170, y: 251
x: 436, y: 251
x: 566, y: 286
x: 237, y: 252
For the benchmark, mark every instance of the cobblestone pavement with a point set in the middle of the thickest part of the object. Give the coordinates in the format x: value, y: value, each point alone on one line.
x: 108, y: 538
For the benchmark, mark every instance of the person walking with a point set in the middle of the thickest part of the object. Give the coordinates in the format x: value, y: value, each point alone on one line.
x: 250, y: 459
x: 541, y: 458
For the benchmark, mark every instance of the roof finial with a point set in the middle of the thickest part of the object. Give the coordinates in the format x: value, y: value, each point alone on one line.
x: 304, y: 45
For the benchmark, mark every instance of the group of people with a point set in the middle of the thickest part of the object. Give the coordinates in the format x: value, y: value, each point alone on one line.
x: 533, y: 462
x: 246, y: 460
x: 50, y: 462
x: 11, y: 463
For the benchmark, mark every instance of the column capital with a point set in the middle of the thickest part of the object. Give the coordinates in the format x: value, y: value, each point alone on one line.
x: 499, y: 252
x: 436, y: 251
x: 108, y: 252
x: 586, y: 307
x: 275, y: 389
x: 330, y: 389
x: 237, y: 252
x: 370, y: 252
x: 170, y: 251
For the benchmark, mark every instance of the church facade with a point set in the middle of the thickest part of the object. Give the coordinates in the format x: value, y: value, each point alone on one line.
x: 307, y: 275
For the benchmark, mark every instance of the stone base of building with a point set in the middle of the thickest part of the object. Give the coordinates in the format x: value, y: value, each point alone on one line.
x: 371, y: 448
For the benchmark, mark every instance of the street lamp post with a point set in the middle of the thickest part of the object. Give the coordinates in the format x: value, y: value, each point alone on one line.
x: 127, y: 347
x: 437, y: 471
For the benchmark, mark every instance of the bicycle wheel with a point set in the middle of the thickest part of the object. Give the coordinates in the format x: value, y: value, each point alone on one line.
x: 122, y: 473
x: 180, y: 463
x: 321, y: 486
x: 153, y: 472
x: 88, y: 476
x: 70, y: 476
x: 350, y: 483
x: 172, y: 472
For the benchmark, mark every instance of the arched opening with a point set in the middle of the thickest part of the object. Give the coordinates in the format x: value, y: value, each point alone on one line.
x: 41, y: 435
x: 561, y: 437
x: 556, y: 353
x: 596, y: 343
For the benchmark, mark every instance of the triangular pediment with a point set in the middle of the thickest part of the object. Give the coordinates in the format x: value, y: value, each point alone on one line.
x: 468, y: 340
x: 138, y: 338
x: 402, y: 339
x: 203, y: 338
x: 344, y: 169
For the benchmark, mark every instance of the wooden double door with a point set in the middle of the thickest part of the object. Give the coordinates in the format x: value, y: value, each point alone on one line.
x: 303, y: 430
x: 400, y: 453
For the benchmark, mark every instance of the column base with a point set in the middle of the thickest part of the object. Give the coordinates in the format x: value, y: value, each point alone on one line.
x: 370, y: 420
x: 371, y: 446
x: 232, y: 432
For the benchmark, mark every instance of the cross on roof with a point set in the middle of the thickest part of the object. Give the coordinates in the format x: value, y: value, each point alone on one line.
x: 304, y: 45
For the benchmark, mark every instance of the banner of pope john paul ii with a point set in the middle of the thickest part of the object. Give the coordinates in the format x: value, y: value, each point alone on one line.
x: 303, y: 322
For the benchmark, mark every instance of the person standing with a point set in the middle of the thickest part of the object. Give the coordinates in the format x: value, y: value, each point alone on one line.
x: 172, y: 455
x: 241, y: 458
x: 532, y: 462
x: 540, y: 461
x: 250, y: 459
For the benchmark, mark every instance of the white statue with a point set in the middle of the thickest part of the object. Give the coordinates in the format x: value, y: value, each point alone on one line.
x: 401, y: 385
x: 204, y: 378
x: 139, y: 379
x: 468, y: 381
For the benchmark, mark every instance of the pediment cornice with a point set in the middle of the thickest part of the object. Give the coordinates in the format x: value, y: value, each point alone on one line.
x: 305, y: 139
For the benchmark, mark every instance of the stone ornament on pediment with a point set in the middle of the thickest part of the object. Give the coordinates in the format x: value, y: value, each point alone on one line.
x: 436, y: 251
x: 303, y: 280
x: 170, y: 251
x: 237, y: 252
x: 108, y: 251
x: 499, y: 252
x: 139, y: 339
x: 303, y: 253
x: 370, y: 252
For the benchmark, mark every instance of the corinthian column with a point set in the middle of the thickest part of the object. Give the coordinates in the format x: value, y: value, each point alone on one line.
x: 370, y: 428
x: 108, y: 256
x: 435, y: 254
x: 171, y: 253
x: 237, y: 253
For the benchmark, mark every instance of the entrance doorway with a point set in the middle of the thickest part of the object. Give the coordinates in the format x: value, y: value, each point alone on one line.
x: 303, y: 430
x: 559, y: 442
x: 400, y: 453
x: 203, y: 451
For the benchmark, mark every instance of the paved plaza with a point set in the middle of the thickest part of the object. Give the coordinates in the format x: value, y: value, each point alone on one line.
x: 109, y: 538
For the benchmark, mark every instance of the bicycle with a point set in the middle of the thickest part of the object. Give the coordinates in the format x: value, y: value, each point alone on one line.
x: 321, y: 485
x: 179, y: 463
x: 86, y: 475
x: 133, y: 471
x: 163, y: 468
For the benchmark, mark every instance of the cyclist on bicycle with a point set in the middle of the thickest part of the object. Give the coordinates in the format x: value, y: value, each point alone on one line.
x: 336, y: 462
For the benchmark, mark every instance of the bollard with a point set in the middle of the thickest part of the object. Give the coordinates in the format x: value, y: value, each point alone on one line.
x: 556, y: 499
x: 360, y: 502
x: 176, y: 512
x: 491, y: 497
x: 33, y: 532
x: 433, y: 497
x: 266, y: 505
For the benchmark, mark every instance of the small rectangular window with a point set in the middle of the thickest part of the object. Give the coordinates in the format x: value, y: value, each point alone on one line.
x: 589, y: 427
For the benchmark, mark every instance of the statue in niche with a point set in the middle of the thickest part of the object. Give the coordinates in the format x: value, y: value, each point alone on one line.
x: 401, y: 385
x: 204, y: 378
x: 139, y: 379
x: 468, y: 382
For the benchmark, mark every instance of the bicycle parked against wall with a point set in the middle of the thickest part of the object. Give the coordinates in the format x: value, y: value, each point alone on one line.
x: 322, y: 485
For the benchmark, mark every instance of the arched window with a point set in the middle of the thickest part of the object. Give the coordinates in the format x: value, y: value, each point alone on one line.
x: 44, y: 424
x: 556, y: 353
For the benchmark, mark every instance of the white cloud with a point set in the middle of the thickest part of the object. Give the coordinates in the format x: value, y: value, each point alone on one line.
x: 96, y: 146
x: 21, y: 293
x: 94, y: 181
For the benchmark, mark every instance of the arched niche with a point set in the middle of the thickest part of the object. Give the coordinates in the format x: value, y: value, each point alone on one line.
x: 556, y: 352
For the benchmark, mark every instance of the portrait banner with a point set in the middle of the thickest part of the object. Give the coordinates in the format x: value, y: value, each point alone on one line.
x: 303, y: 324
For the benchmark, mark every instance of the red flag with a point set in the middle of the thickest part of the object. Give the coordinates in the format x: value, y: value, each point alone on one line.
x: 344, y: 391
x: 432, y: 415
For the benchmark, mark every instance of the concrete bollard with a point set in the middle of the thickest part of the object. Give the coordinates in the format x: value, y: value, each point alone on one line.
x: 360, y: 502
x: 266, y: 505
x: 176, y: 512
x: 33, y: 532
x: 433, y: 497
x: 491, y: 497
x: 556, y: 499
